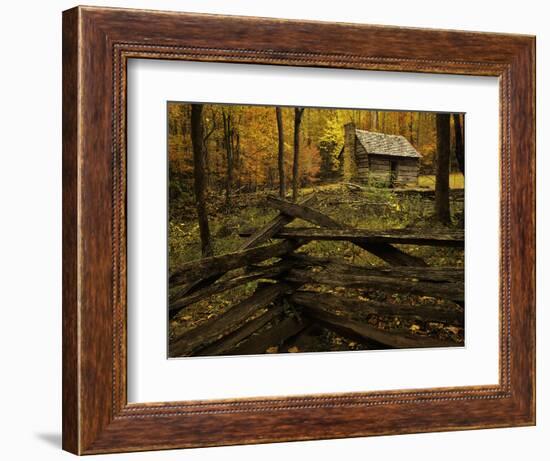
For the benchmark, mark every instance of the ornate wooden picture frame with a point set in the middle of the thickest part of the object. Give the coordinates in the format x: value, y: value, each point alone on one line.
x: 97, y: 44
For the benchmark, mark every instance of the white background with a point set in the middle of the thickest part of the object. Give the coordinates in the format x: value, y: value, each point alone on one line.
x: 153, y: 378
x: 30, y: 243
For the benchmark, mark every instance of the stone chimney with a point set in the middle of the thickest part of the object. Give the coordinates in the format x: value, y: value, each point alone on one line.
x: 350, y: 167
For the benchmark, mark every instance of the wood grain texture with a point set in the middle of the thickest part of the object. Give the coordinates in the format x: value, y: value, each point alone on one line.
x: 453, y: 291
x: 400, y: 236
x: 70, y: 382
x: 384, y: 251
x: 347, y: 306
x: 213, y: 330
x: 97, y: 42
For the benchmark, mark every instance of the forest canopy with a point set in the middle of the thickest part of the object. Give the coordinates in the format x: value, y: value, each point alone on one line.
x: 248, y: 137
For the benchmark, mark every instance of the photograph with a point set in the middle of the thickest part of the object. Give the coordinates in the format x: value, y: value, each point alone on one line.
x: 308, y: 229
x: 279, y: 224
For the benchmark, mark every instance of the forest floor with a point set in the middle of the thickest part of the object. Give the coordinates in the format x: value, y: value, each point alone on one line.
x: 456, y: 181
x: 369, y: 208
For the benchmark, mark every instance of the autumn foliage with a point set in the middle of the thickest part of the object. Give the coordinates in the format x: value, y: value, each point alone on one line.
x: 253, y: 136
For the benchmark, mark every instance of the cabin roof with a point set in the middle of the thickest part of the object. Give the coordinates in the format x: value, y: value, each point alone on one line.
x: 386, y: 144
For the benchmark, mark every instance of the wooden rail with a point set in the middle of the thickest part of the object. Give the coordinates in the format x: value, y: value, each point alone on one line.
x: 260, y: 272
x: 219, y: 265
x: 394, y: 236
x: 196, y: 282
x: 224, y: 325
x: 453, y: 291
x: 262, y: 321
x: 384, y: 251
x: 331, y: 302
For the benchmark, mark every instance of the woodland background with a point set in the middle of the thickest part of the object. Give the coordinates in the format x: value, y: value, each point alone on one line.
x: 247, y: 138
x: 225, y: 161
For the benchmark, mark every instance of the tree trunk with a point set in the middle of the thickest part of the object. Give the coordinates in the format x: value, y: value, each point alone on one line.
x: 228, y: 141
x: 459, y: 141
x: 281, y: 156
x: 197, y: 140
x: 237, y: 161
x: 374, y: 126
x: 298, y: 111
x: 418, y: 122
x: 443, y: 127
x: 207, y: 163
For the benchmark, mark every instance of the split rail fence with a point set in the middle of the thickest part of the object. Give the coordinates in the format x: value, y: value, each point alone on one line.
x: 242, y: 328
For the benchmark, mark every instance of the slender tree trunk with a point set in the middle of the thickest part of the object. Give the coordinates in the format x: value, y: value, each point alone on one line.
x: 418, y: 122
x: 281, y: 156
x: 298, y: 111
x: 228, y: 141
x: 374, y: 121
x: 207, y: 162
x: 197, y: 140
x: 443, y: 127
x: 237, y: 162
x: 459, y: 141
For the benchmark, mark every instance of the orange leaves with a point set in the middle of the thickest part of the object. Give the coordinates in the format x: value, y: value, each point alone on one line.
x: 255, y: 137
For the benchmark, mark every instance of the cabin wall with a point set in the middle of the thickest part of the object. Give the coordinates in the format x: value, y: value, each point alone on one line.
x: 407, y: 172
x: 379, y: 171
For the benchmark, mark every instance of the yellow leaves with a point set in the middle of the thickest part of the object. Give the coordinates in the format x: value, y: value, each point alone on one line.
x: 272, y: 350
x: 453, y: 330
x: 414, y: 327
x: 293, y: 349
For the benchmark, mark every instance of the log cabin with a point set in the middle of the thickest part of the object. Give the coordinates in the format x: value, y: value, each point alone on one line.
x: 378, y: 158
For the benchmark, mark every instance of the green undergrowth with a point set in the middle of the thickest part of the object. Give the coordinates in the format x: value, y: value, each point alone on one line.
x: 369, y: 208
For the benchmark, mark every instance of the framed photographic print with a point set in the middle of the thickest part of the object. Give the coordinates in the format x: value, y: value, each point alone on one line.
x: 285, y: 230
